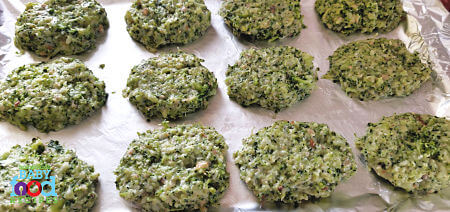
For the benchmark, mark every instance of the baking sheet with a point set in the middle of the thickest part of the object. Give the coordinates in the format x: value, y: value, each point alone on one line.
x: 102, y: 139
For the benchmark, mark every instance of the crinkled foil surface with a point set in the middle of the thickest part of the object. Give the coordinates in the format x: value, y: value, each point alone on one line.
x: 102, y: 139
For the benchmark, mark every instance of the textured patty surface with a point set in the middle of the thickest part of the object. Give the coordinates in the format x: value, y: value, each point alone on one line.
x: 412, y: 151
x: 263, y: 19
x: 274, y: 78
x: 174, y: 168
x: 64, y: 27
x: 156, y: 23
x: 368, y: 16
x: 75, y: 180
x: 376, y: 68
x: 51, y: 95
x: 170, y: 85
x: 293, y: 161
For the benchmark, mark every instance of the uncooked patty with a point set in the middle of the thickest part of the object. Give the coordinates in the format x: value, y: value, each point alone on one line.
x: 377, y: 68
x: 51, y: 95
x: 170, y: 86
x: 368, y: 16
x: 263, y: 19
x: 75, y: 180
x: 293, y: 161
x: 174, y: 168
x: 64, y: 27
x: 274, y: 78
x: 409, y: 150
x: 156, y: 23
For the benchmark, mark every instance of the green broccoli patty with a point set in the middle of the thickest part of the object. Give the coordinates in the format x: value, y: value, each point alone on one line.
x: 170, y: 86
x: 293, y: 161
x: 377, y: 68
x: 64, y: 27
x: 274, y: 78
x: 412, y: 151
x: 51, y: 95
x: 75, y: 180
x: 263, y: 19
x: 174, y: 168
x: 352, y: 16
x: 156, y: 23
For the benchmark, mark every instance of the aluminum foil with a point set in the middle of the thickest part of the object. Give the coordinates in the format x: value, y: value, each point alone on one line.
x: 102, y: 139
